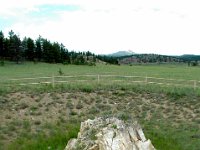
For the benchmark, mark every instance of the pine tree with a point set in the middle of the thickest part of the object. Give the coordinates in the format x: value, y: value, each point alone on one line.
x: 39, y: 48
x: 24, y: 47
x: 30, y: 52
x: 15, y: 47
x: 1, y: 45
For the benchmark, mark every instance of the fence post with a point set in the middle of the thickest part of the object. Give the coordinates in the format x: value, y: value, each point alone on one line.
x: 195, y: 84
x: 98, y: 79
x: 53, y: 81
x: 146, y: 79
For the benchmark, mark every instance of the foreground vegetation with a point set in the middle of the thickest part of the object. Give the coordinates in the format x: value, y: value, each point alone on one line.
x: 47, y: 120
x: 43, y: 117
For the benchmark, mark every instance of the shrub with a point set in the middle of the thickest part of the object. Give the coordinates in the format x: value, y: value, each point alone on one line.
x: 23, y: 106
x: 87, y: 89
x: 60, y: 72
x: 93, y: 110
x: 73, y: 113
x: 2, y: 63
x: 195, y: 63
x: 69, y: 105
x: 8, y: 116
x: 79, y: 105
x: 33, y: 108
x: 37, y: 122
x: 124, y: 116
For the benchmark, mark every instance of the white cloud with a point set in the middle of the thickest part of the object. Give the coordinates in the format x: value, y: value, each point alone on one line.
x: 145, y: 26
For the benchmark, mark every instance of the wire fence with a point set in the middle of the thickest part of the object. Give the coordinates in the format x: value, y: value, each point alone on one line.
x: 101, y: 79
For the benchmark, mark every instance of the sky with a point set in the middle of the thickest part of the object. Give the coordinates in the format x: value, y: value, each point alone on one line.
x: 170, y: 27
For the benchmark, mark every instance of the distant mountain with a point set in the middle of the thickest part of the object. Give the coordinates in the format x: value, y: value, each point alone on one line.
x: 190, y: 57
x: 122, y: 53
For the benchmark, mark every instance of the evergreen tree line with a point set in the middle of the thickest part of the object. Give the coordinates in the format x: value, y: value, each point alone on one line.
x: 42, y: 50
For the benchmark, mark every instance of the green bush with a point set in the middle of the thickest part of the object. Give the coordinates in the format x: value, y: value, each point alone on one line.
x: 2, y: 63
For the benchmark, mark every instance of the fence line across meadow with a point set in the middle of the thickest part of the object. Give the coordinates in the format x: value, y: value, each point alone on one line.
x: 102, y: 79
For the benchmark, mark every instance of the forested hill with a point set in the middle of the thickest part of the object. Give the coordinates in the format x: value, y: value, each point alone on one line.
x: 149, y: 58
x: 155, y: 58
x: 126, y: 57
x: 190, y: 57
x: 140, y: 58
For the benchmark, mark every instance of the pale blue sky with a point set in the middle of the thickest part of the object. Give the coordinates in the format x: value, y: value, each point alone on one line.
x: 104, y: 26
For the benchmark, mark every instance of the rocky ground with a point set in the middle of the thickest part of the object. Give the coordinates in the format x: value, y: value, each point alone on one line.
x: 109, y: 134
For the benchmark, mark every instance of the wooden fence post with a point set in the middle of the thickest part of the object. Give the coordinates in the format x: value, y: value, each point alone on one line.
x: 146, y: 79
x: 195, y: 84
x: 98, y: 79
x: 53, y: 81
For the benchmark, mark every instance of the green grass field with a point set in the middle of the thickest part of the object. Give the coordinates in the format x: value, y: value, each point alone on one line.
x: 29, y: 69
x: 42, y: 117
x: 181, y: 74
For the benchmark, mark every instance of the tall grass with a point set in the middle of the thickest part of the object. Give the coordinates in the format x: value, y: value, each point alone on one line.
x: 166, y: 137
x: 89, y: 87
x: 41, y: 141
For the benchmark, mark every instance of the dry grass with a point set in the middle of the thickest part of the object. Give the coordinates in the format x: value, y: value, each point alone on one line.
x: 24, y: 112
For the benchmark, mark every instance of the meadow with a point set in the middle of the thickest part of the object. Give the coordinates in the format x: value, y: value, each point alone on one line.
x: 43, y: 117
x: 29, y: 69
